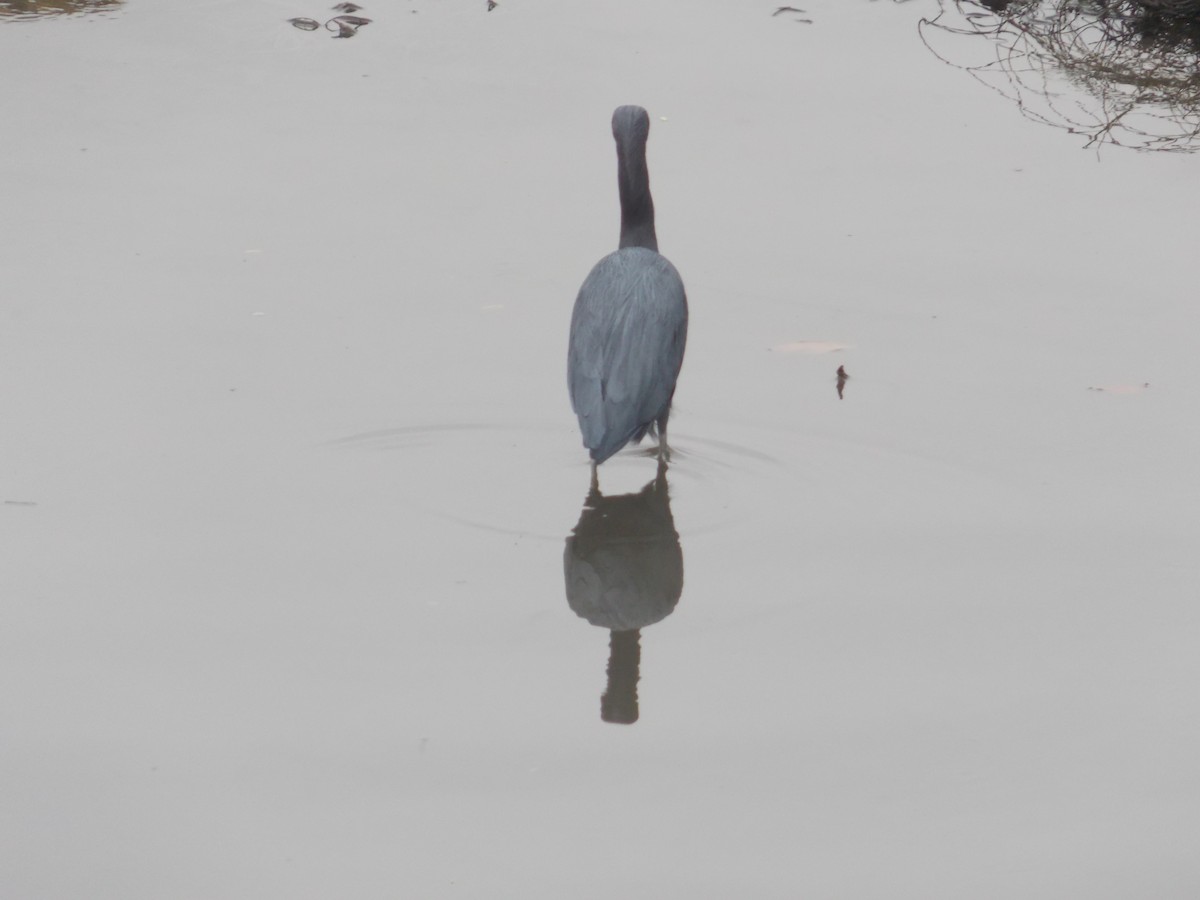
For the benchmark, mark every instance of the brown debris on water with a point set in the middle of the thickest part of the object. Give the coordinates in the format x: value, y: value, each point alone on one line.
x: 842, y: 378
x: 1134, y: 63
x: 33, y: 9
x: 791, y: 9
x: 346, y: 26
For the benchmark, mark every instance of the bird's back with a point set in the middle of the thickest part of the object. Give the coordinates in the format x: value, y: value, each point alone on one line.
x: 628, y: 333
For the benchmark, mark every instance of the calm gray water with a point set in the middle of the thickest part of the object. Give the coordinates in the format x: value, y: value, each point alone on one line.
x: 290, y: 473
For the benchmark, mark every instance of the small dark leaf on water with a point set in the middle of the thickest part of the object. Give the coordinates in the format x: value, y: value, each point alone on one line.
x: 348, y: 7
x: 784, y: 9
x: 306, y: 24
x: 492, y: 4
x: 842, y: 378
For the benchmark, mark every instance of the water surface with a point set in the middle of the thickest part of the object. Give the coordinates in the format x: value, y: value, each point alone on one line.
x: 290, y: 470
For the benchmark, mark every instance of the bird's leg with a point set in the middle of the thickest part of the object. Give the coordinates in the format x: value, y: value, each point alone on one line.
x: 664, y: 449
x: 595, y: 477
x: 660, y: 477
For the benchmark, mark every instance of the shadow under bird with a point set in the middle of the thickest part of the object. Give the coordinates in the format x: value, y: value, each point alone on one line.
x: 629, y: 326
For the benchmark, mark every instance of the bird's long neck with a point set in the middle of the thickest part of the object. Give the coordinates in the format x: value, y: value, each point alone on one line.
x: 637, y: 209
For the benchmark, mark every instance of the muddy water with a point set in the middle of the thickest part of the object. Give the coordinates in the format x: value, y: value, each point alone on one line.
x: 304, y: 590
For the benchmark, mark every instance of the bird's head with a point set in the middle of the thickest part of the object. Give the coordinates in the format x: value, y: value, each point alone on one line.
x: 631, y: 123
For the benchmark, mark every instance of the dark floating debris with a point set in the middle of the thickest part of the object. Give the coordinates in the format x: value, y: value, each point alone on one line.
x: 1131, y: 67
x: 346, y: 26
x: 32, y: 9
x: 492, y: 4
x: 792, y: 9
x: 842, y: 378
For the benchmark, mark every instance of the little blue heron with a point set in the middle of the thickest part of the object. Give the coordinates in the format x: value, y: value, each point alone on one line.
x: 629, y: 326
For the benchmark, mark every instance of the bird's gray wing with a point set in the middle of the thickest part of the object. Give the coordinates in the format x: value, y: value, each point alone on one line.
x: 628, y: 334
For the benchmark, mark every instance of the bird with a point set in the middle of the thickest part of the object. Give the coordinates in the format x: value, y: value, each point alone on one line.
x: 629, y: 324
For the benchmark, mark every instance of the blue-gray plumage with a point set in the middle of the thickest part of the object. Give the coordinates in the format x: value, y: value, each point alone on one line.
x: 629, y: 326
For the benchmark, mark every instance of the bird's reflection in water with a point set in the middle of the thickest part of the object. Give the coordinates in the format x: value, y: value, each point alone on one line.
x: 624, y: 571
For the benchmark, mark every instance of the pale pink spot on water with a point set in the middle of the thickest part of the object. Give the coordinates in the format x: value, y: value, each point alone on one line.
x: 1121, y: 388
x: 810, y: 347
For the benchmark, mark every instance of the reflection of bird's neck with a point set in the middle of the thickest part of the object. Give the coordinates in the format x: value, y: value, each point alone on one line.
x: 620, y: 702
x: 637, y: 208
